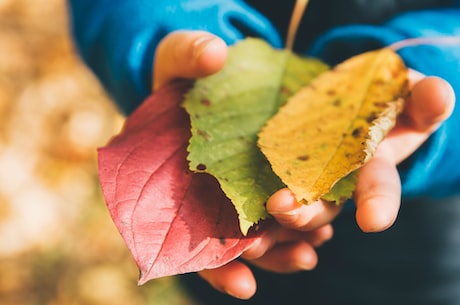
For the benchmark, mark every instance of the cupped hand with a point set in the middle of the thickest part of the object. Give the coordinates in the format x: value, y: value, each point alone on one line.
x: 378, y: 191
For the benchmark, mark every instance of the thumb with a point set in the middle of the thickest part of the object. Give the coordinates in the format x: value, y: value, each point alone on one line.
x: 188, y: 54
x: 431, y: 102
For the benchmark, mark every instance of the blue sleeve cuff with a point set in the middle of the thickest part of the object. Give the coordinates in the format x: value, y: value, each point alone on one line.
x: 118, y: 38
x: 434, y: 169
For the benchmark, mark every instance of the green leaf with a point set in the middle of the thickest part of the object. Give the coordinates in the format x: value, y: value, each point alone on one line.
x: 228, y: 109
x: 343, y: 189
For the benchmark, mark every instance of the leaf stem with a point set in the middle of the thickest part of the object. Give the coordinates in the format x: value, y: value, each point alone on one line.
x: 297, y: 13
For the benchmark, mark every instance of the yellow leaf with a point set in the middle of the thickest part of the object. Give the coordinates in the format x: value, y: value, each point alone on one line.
x: 334, y: 125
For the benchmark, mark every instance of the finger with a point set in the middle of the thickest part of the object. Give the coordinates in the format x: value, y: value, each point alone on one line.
x: 315, y: 238
x: 263, y: 243
x: 288, y: 258
x: 378, y: 192
x: 188, y: 54
x: 292, y: 214
x: 431, y: 102
x: 283, y: 235
x: 235, y: 279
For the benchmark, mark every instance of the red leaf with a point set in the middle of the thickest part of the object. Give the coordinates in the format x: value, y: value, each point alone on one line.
x: 173, y: 221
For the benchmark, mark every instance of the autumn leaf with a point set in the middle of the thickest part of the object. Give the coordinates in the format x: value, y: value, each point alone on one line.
x: 333, y: 126
x: 343, y: 189
x: 227, y: 111
x: 173, y: 221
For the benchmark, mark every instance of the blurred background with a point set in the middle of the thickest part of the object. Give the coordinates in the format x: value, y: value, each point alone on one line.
x: 58, y: 244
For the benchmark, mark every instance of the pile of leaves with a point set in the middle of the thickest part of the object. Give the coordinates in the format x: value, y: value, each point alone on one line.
x: 187, y: 179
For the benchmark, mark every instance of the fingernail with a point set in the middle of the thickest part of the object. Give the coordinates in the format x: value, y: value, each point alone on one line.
x: 283, y: 202
x: 288, y: 207
x: 285, y: 212
x: 450, y: 96
x: 244, y: 292
x: 234, y: 295
x: 308, y: 260
x: 308, y: 263
x: 201, y: 44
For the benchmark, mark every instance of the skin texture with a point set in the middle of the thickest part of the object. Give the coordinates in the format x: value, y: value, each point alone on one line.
x: 291, y: 245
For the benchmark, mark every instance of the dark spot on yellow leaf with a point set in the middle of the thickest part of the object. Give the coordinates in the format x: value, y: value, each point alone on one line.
x: 397, y: 72
x: 357, y: 132
x: 337, y: 103
x: 379, y: 81
x: 381, y: 104
x: 201, y: 167
x: 331, y: 92
x: 371, y: 117
x: 303, y: 158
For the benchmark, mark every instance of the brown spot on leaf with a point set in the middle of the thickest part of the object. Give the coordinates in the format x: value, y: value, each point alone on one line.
x: 337, y: 103
x: 285, y: 90
x: 203, y: 134
x: 357, y: 132
x: 205, y: 102
x: 201, y: 167
x: 303, y: 158
x: 371, y: 117
x: 396, y: 73
x: 381, y: 104
x: 379, y: 82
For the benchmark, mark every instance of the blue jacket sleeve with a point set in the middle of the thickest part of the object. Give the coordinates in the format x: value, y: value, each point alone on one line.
x: 434, y: 169
x: 118, y: 38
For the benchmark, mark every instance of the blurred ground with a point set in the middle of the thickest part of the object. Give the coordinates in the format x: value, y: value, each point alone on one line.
x: 57, y: 242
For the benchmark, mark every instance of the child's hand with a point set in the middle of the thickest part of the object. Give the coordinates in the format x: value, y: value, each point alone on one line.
x: 379, y: 189
x: 301, y: 228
